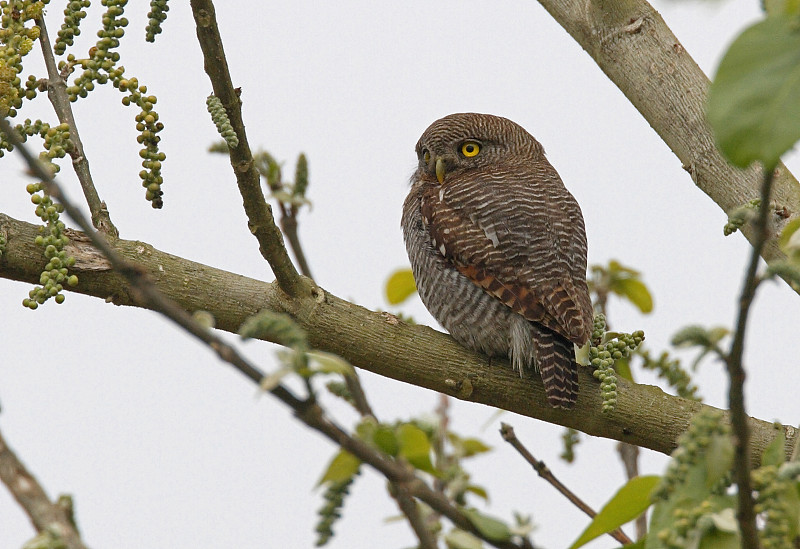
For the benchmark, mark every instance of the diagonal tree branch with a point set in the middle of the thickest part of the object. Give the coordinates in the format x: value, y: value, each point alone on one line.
x: 633, y: 46
x: 259, y: 213
x: 45, y: 515
x: 378, y: 342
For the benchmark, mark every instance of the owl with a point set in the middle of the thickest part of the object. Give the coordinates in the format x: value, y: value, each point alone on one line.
x: 498, y: 247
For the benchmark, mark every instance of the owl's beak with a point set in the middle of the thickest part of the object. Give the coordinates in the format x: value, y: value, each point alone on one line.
x: 440, y: 169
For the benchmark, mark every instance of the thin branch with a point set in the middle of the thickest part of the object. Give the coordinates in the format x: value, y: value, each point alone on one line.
x: 353, y: 383
x: 57, y: 93
x: 746, y: 513
x: 259, y: 213
x: 409, y: 507
x: 289, y: 228
x: 507, y: 432
x: 146, y: 294
x: 44, y: 515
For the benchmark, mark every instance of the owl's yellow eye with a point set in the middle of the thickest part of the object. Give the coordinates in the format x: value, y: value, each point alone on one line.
x: 426, y: 156
x: 470, y: 149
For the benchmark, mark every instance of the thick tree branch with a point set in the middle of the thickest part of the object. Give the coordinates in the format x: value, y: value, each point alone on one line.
x: 377, y: 342
x: 45, y: 515
x: 633, y: 46
x: 259, y: 213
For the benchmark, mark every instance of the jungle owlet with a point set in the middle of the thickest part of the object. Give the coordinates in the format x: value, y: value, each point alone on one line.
x: 498, y: 247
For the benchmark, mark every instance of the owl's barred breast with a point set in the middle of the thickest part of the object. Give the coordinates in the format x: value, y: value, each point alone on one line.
x: 474, y: 319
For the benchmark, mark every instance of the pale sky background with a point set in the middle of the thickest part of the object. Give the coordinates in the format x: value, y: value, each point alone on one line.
x: 162, y: 445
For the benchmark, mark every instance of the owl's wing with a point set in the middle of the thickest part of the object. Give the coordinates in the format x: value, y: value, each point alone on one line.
x: 522, y: 239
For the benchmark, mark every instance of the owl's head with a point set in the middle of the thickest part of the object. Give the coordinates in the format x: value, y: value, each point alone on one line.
x: 466, y: 141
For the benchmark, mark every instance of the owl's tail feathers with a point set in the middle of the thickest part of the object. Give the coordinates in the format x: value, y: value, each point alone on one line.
x: 555, y: 357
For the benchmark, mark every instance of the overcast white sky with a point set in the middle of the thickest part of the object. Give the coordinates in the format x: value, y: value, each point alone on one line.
x: 161, y: 445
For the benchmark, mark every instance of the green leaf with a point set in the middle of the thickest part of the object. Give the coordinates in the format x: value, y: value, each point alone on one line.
x: 636, y: 545
x: 343, y: 466
x: 635, y: 291
x: 629, y: 502
x: 461, y: 539
x: 494, y: 529
x: 385, y: 439
x: 415, y: 447
x: 400, y: 286
x: 789, y: 241
x: 330, y: 363
x: 775, y: 454
x: 467, y: 447
x: 754, y: 101
x: 479, y: 491
x: 718, y: 459
x: 623, y: 368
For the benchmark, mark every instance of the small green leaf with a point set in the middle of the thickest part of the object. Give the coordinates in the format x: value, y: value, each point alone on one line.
x: 494, y: 529
x: 623, y: 368
x: 415, y: 447
x: 400, y: 286
x: 343, y: 466
x: 789, y: 241
x: 717, y: 539
x: 467, y: 447
x: 635, y: 291
x: 479, y: 491
x: 385, y: 439
x: 330, y: 363
x: 718, y: 458
x: 754, y: 100
x: 461, y: 539
x: 629, y: 502
x: 775, y: 453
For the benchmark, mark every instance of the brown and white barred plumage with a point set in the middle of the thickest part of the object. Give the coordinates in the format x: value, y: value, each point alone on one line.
x: 498, y: 248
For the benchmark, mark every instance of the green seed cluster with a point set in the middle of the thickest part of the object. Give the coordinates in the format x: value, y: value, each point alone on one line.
x: 686, y: 521
x: 692, y: 447
x: 100, y: 66
x: 157, y: 15
x: 571, y: 438
x: 16, y: 41
x: 330, y: 512
x: 741, y: 215
x: 672, y: 371
x: 3, y: 243
x: 221, y: 121
x: 602, y: 357
x: 148, y: 126
x: 53, y: 240
x: 24, y: 131
x: 772, y: 502
x: 70, y: 28
x: 340, y: 390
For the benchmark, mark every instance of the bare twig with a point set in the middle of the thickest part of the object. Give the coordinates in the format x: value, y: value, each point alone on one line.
x: 353, y: 383
x: 629, y: 454
x: 57, y: 93
x: 409, y: 507
x: 507, y: 432
x: 289, y: 228
x: 44, y: 515
x: 259, y: 213
x: 746, y: 513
